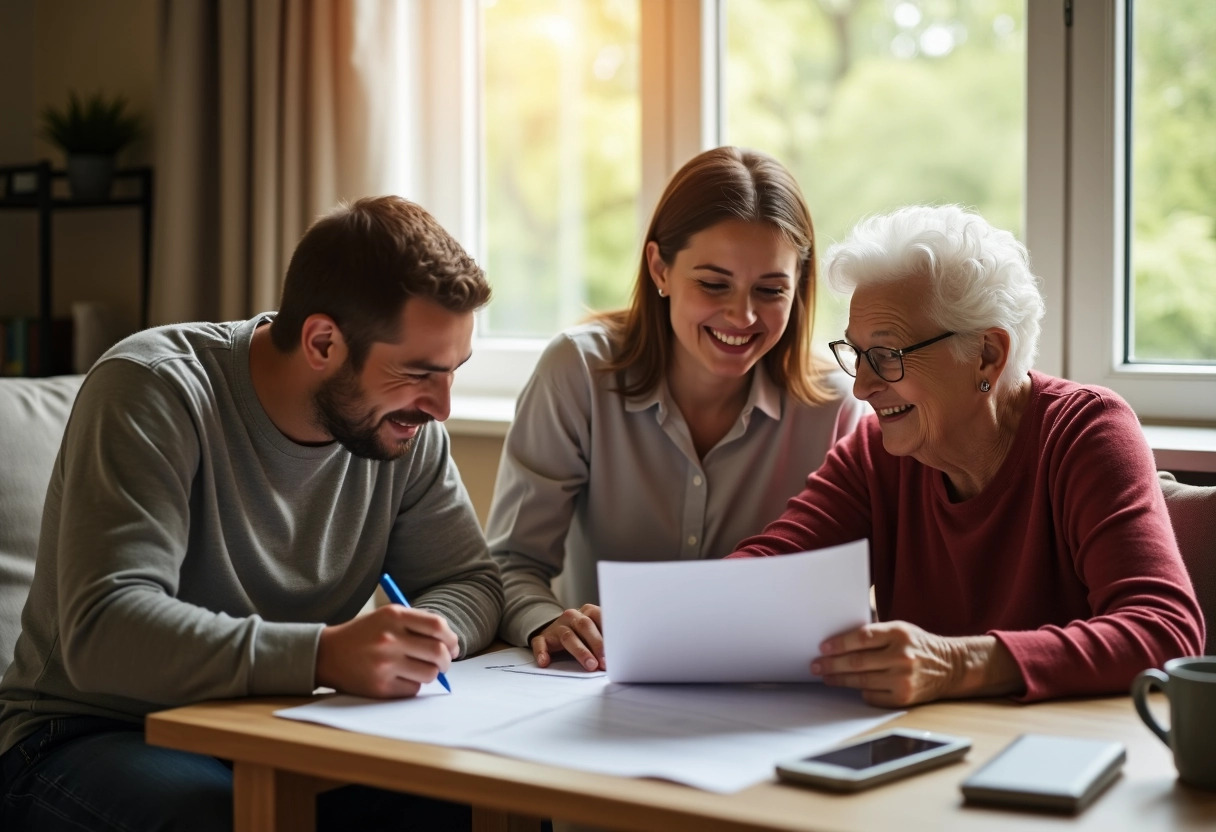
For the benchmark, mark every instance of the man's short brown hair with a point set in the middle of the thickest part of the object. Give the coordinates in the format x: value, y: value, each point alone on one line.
x: 362, y: 262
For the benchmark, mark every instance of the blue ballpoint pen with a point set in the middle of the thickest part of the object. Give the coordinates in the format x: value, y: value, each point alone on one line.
x: 398, y: 597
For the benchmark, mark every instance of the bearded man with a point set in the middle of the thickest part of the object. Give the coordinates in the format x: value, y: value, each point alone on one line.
x: 224, y: 501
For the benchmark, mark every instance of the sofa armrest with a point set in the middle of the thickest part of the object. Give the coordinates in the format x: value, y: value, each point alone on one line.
x: 33, y: 414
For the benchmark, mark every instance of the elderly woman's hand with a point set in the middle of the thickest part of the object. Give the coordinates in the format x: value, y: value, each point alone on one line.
x: 896, y: 664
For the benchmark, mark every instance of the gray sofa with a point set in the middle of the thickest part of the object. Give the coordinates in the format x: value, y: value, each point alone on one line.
x: 33, y: 413
x: 1193, y: 516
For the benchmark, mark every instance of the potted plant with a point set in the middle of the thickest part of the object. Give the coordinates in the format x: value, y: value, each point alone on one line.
x: 91, y: 131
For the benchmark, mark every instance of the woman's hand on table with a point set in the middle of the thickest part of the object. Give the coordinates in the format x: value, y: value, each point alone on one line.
x: 576, y: 632
x: 895, y: 664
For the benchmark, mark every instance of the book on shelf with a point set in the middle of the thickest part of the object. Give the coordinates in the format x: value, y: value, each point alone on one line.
x: 13, y: 363
x: 21, y: 352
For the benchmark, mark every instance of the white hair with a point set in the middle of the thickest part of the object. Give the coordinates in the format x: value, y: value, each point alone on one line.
x: 979, y: 276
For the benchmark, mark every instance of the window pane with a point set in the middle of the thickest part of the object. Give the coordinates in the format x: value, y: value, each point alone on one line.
x: 1173, y: 182
x: 562, y: 159
x: 878, y: 104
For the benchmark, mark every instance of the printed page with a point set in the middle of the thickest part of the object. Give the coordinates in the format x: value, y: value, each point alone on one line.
x: 747, y: 620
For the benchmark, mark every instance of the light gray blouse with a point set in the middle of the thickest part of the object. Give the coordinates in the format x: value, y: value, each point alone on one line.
x: 589, y: 475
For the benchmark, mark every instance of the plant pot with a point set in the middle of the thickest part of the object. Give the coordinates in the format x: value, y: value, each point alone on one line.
x: 90, y: 175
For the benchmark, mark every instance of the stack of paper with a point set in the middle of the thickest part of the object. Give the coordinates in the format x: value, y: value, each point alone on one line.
x: 690, y: 621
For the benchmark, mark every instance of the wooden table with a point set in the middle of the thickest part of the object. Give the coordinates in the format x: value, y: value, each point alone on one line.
x: 280, y: 764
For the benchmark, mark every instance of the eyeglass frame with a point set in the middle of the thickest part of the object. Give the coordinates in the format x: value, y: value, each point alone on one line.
x: 897, y: 352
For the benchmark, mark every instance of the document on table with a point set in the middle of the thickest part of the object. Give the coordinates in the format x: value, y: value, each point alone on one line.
x: 747, y: 620
x: 715, y: 737
x: 557, y: 667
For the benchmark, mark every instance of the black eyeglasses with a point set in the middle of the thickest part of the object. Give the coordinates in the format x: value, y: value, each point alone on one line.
x: 887, y: 362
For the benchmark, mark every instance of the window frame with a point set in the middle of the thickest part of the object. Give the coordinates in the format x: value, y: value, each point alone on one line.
x: 1097, y: 219
x: 1074, y: 145
x: 680, y: 118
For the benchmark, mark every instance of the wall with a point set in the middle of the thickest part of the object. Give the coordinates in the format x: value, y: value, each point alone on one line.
x: 48, y: 47
x: 17, y: 230
x: 477, y: 458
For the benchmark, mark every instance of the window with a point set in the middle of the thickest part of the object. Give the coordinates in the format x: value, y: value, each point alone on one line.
x: 577, y: 112
x: 1142, y: 197
x: 877, y: 105
x: 561, y: 117
x: 1172, y: 192
x: 546, y: 129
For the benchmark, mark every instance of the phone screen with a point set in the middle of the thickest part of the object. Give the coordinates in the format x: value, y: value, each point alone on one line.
x: 875, y: 752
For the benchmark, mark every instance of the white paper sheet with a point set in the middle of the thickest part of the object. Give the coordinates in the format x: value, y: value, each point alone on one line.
x: 715, y: 737
x: 753, y: 620
x: 722, y: 748
x: 483, y: 697
x: 557, y: 667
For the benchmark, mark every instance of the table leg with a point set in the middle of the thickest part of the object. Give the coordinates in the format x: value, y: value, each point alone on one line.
x: 492, y: 820
x: 265, y: 799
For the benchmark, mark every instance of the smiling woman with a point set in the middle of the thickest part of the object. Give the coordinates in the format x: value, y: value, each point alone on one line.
x: 669, y: 429
x: 1019, y: 540
x: 730, y: 292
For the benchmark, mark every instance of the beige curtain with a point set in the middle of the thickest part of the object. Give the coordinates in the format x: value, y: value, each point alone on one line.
x: 270, y: 112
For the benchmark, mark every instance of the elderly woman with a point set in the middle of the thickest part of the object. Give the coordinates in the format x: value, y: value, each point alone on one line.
x: 1019, y: 541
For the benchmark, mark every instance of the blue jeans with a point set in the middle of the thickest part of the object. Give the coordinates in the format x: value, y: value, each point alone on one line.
x: 87, y: 773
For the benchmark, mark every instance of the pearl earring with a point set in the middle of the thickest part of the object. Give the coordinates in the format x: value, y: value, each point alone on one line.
x: 661, y: 293
x: 985, y: 386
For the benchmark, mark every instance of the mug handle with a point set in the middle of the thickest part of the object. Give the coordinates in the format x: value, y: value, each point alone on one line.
x: 1141, y: 687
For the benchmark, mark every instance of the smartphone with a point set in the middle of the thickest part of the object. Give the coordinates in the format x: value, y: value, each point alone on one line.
x: 873, y: 760
x: 1042, y: 771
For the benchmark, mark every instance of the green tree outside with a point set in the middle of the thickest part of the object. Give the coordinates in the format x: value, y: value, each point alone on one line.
x: 871, y: 103
x: 1173, y: 187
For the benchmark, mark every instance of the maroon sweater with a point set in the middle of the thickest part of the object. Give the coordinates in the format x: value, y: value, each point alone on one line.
x: 1067, y: 557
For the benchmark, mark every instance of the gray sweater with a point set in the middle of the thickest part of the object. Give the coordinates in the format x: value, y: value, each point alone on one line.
x: 190, y: 551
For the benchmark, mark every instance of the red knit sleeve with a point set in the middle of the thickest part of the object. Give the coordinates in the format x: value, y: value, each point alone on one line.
x: 1110, y: 512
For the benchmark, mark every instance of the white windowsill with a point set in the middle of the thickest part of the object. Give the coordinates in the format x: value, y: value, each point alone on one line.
x: 1175, y: 448
x: 481, y: 415
x: 1181, y: 448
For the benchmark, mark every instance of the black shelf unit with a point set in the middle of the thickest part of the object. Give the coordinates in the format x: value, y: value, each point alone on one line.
x: 31, y: 187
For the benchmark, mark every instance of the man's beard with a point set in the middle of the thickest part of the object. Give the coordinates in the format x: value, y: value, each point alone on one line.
x: 339, y: 410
